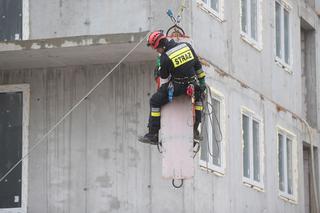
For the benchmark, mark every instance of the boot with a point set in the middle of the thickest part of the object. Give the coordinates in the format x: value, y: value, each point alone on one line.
x: 151, y: 137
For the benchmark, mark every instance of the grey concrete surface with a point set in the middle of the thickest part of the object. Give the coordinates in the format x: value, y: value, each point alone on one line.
x: 62, y: 18
x: 68, y: 51
x: 93, y: 162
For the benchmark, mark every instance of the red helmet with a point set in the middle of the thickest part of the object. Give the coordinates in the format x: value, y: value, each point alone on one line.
x: 155, y: 38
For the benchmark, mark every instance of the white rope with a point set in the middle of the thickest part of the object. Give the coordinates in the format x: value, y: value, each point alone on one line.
x: 71, y: 110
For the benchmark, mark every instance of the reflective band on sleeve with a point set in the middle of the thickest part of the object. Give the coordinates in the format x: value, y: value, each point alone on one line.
x: 202, y: 75
x: 155, y: 114
x: 199, y: 71
x: 199, y: 108
x: 155, y: 109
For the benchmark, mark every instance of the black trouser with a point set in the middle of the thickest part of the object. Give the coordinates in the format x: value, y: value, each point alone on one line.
x: 160, y: 98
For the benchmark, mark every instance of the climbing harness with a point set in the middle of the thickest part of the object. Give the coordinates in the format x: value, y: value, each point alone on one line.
x: 185, y: 80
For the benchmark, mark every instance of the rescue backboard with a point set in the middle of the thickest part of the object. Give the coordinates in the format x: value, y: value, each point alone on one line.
x: 176, y: 135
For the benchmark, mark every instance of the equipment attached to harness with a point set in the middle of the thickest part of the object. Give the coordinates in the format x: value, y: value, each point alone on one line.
x: 175, y: 31
x: 170, y: 92
x: 173, y: 19
x: 190, y: 90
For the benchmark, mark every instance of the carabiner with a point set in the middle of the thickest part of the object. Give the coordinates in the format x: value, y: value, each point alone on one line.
x: 175, y: 186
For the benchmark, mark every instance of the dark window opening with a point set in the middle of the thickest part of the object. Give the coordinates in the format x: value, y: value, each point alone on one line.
x: 10, y: 20
x: 309, y: 196
x: 11, y: 107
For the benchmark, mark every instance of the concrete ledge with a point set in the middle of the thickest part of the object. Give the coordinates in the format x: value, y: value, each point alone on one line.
x: 308, y: 16
x: 79, y: 50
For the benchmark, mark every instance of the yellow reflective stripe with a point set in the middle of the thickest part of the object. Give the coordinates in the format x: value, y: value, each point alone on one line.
x: 178, y: 52
x: 199, y: 71
x: 155, y: 114
x: 182, y: 58
x: 199, y: 108
x: 202, y: 75
x: 169, y: 52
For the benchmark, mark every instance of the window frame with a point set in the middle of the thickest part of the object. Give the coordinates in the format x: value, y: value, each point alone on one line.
x: 288, y: 135
x: 207, y: 8
x: 257, y: 44
x: 280, y: 61
x: 250, y: 182
x: 208, y: 165
x: 25, y: 20
x: 25, y: 89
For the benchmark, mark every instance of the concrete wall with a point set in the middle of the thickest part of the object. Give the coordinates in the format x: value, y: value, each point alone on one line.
x: 93, y: 162
x: 221, y: 43
x: 61, y: 18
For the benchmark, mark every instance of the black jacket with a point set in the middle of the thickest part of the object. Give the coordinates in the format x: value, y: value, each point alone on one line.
x: 179, y: 60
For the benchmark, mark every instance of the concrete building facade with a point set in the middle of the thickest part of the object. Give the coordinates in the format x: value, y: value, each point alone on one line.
x: 261, y: 59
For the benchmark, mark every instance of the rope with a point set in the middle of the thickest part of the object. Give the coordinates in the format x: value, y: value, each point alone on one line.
x: 206, y: 112
x: 180, y: 10
x: 71, y: 110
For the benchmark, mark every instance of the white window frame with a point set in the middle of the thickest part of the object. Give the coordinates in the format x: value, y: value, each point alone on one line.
x: 257, y: 44
x: 207, y: 8
x: 258, y: 185
x: 25, y: 20
x: 25, y: 89
x: 209, y: 166
x: 285, y: 195
x: 281, y: 61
